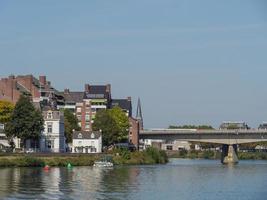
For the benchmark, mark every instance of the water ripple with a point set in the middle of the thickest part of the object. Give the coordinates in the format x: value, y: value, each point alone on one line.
x: 183, y: 179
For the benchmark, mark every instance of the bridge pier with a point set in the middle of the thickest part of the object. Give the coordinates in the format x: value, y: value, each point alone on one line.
x: 229, y: 154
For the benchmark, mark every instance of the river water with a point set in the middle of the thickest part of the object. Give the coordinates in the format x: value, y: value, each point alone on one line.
x: 179, y: 179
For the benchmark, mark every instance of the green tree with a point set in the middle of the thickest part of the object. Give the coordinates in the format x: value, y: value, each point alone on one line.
x: 70, y: 123
x: 6, y: 109
x: 122, y: 122
x: 114, y: 125
x: 26, y: 122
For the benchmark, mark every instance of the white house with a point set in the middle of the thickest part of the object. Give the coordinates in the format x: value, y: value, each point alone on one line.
x: 3, y: 139
x: 87, y: 142
x: 52, y: 138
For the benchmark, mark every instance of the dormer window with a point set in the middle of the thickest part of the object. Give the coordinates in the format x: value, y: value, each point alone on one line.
x: 92, y: 135
x: 49, y: 115
x: 80, y: 136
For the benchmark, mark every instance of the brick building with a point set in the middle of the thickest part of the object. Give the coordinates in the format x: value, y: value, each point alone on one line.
x: 84, y: 104
x: 94, y: 98
x: 39, y: 89
x: 134, y: 132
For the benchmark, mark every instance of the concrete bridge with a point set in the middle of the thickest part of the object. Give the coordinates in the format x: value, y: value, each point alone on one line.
x: 228, y: 138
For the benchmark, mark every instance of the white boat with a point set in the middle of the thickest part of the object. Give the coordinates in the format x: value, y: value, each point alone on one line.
x: 103, y: 164
x: 105, y: 161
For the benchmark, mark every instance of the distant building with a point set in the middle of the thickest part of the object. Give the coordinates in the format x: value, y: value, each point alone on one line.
x: 53, y: 138
x: 94, y: 98
x: 71, y: 100
x: 263, y: 126
x: 175, y: 145
x: 39, y: 89
x: 234, y: 125
x: 85, y: 104
x: 87, y: 142
x: 133, y: 137
x: 124, y: 104
x: 3, y: 139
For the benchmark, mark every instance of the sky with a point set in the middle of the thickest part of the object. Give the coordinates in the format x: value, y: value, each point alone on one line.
x: 189, y: 61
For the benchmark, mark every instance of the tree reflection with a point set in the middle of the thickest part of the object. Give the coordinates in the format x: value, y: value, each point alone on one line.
x: 116, y: 183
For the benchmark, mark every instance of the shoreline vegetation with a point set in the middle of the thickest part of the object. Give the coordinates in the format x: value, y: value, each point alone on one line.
x: 119, y: 157
x: 215, y: 155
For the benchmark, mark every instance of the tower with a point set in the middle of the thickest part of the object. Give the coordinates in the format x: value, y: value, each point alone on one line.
x: 139, y: 115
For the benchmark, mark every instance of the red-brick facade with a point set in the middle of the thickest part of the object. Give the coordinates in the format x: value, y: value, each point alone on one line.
x: 12, y: 87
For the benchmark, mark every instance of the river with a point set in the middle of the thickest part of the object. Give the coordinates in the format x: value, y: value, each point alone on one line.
x: 180, y: 179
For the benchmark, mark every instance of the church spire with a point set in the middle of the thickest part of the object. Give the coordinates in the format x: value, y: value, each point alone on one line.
x: 139, y: 115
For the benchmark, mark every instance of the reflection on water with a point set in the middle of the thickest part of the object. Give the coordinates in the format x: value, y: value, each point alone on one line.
x: 180, y: 179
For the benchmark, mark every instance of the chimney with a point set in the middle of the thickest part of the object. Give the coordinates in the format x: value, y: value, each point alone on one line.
x: 66, y: 91
x: 86, y: 87
x: 42, y: 80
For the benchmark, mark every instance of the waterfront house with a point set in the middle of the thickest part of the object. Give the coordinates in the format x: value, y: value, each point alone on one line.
x: 87, y: 142
x: 3, y: 139
x: 52, y: 138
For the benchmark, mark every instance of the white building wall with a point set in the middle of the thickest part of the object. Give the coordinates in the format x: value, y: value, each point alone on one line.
x: 57, y: 136
x: 96, y: 143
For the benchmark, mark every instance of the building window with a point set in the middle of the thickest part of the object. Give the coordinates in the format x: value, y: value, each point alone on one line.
x: 87, y: 117
x: 49, y: 115
x: 79, y: 117
x: 169, y: 147
x: 79, y: 109
x: 49, y: 127
x: 50, y: 144
x: 2, y: 126
x: 92, y: 143
x: 93, y: 149
x: 80, y: 142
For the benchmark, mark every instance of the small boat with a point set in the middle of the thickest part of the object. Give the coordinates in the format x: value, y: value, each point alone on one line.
x: 104, y: 162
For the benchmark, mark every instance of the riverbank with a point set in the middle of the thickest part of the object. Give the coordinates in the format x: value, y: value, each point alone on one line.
x: 215, y: 155
x: 119, y: 157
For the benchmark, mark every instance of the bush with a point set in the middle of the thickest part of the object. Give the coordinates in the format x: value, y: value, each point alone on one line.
x: 208, y: 154
x: 183, y: 153
x: 123, y: 152
x: 158, y: 156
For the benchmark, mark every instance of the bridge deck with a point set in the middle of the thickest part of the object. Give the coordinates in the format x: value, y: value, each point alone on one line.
x: 210, y: 136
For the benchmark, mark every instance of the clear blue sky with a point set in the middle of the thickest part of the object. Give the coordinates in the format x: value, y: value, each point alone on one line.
x: 191, y: 62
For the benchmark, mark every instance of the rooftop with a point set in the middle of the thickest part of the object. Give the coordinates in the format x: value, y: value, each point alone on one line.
x: 86, y: 135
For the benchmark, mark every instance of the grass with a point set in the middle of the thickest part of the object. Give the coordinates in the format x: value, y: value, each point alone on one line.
x: 32, y: 160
